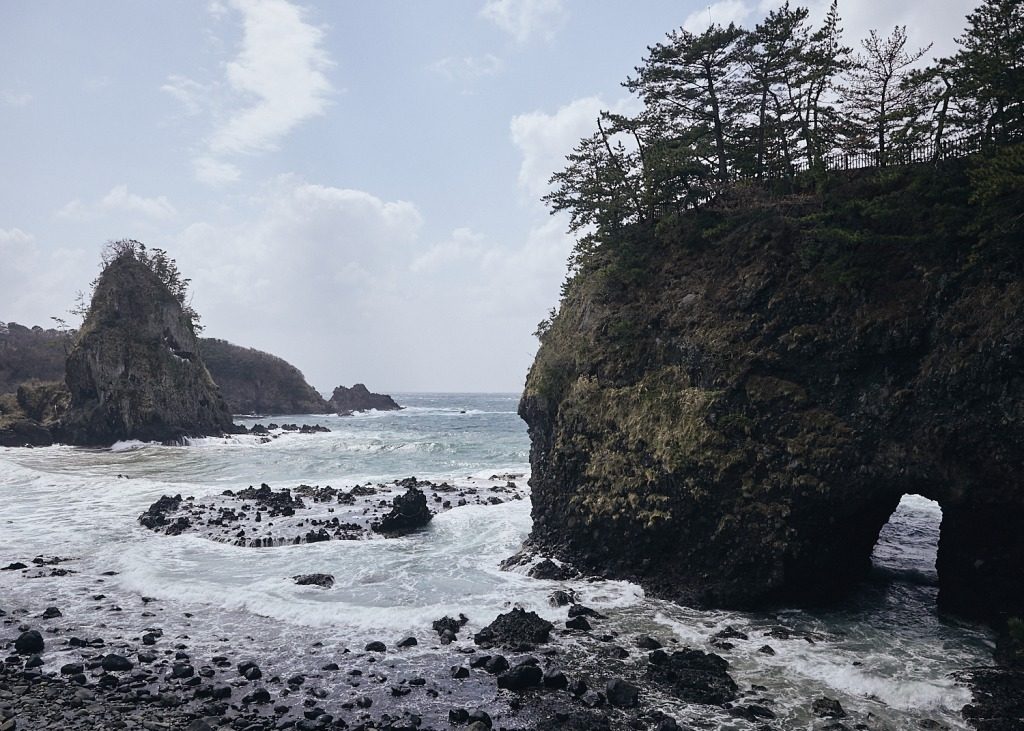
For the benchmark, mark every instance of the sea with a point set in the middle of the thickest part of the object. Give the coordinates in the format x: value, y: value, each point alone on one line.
x: 885, y: 654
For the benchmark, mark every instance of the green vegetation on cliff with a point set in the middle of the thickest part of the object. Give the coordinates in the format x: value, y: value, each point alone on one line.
x: 254, y: 382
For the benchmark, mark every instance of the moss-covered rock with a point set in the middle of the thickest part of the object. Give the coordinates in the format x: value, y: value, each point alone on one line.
x: 729, y: 408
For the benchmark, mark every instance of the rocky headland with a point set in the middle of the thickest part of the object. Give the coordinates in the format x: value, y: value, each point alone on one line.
x: 254, y: 382
x: 728, y: 408
x: 359, y: 398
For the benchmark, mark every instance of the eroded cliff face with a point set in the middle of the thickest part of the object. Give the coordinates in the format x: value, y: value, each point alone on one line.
x: 729, y: 410
x: 135, y: 371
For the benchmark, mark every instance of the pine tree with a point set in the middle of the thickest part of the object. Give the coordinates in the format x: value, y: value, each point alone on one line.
x: 689, y: 83
x: 882, y: 95
x: 771, y: 55
x: 988, y: 70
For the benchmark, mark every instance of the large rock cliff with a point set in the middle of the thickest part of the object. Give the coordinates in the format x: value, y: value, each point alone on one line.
x: 254, y: 382
x: 728, y: 409
x: 135, y: 370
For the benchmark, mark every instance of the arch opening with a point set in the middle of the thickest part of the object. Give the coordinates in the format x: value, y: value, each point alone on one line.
x: 907, y: 547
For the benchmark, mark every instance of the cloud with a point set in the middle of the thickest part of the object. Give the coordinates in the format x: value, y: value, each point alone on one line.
x: 279, y: 71
x: 190, y: 93
x: 215, y: 172
x: 468, y: 68
x: 120, y: 200
x: 276, y: 81
x: 721, y: 13
x: 545, y: 139
x: 15, y: 98
x: 525, y: 20
x: 32, y: 278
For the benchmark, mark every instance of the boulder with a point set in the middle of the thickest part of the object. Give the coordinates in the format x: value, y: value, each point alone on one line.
x: 408, y: 513
x: 29, y: 643
x: 693, y: 676
x: 517, y: 628
x: 325, y: 581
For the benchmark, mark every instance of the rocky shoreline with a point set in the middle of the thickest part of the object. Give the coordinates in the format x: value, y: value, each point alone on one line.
x: 519, y: 672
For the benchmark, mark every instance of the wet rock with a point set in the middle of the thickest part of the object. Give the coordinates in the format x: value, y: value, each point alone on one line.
x: 34, y: 661
x: 479, y: 716
x: 555, y: 679
x: 408, y: 642
x: 249, y: 670
x: 730, y: 633
x: 116, y: 663
x: 52, y: 613
x: 751, y: 712
x: 521, y: 677
x: 550, y: 571
x: 460, y: 672
x: 560, y: 598
x: 766, y: 650
x: 578, y: 610
x: 693, y: 676
x: 156, y: 515
x: 622, y: 694
x: 496, y: 664
x: 182, y: 670
x: 517, y: 628
x: 647, y: 643
x: 29, y: 643
x: 578, y: 623
x: 408, y: 513
x: 376, y: 646
x: 458, y: 716
x: 826, y: 707
x: 16, y: 566
x: 324, y: 580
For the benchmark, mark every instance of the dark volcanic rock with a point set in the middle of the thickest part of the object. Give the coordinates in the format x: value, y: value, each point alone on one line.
x: 408, y: 512
x: 324, y: 580
x: 517, y: 628
x: 29, y: 643
x: 358, y: 398
x: 693, y: 676
x: 135, y: 370
x: 521, y: 677
x: 620, y: 693
x: 728, y: 408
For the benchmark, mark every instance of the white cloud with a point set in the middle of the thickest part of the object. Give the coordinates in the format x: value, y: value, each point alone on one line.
x: 190, y: 93
x: 721, y: 13
x: 545, y: 139
x: 525, y: 20
x: 120, y: 201
x: 15, y: 98
x: 32, y: 278
x: 276, y: 81
x: 215, y: 172
x: 468, y: 68
x: 280, y: 72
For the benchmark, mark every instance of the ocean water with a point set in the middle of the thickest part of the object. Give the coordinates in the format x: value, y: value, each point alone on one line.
x: 887, y: 655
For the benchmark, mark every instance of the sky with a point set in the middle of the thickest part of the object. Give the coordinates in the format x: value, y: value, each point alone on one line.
x: 353, y: 186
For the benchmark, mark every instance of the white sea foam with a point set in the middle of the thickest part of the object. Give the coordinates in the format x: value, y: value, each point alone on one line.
x: 84, y: 505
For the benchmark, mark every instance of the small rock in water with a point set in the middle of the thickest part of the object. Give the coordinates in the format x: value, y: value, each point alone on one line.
x: 51, y: 613
x: 324, y: 580
x: 376, y: 646
x: 116, y: 663
x: 825, y: 707
x: 408, y: 642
